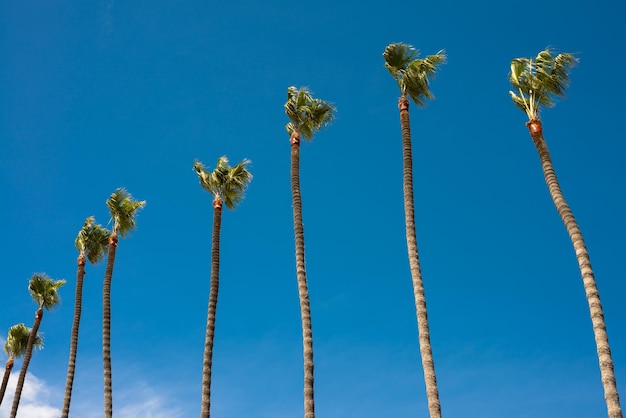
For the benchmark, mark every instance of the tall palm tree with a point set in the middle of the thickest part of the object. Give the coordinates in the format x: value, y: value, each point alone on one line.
x: 92, y: 244
x: 538, y: 83
x: 227, y: 185
x: 307, y: 115
x: 412, y: 76
x: 44, y: 292
x: 15, y: 347
x: 123, y: 209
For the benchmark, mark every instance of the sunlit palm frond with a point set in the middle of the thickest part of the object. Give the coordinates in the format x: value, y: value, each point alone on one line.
x: 307, y: 114
x: 17, y: 340
x: 229, y: 183
x: 123, y: 210
x: 92, y: 241
x: 44, y: 290
x: 81, y: 239
x: 398, y: 56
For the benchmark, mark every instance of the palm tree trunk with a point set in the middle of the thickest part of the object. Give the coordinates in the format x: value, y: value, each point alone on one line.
x: 593, y: 297
x: 428, y: 363
x: 210, y: 322
x: 106, y: 327
x: 27, y: 356
x: 71, y: 364
x: 303, y: 291
x: 5, y: 379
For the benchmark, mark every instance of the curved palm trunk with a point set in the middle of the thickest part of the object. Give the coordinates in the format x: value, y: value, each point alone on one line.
x: 210, y: 322
x: 27, y: 356
x: 428, y: 363
x: 5, y: 379
x: 303, y: 291
x: 593, y: 297
x: 71, y: 365
x: 106, y: 327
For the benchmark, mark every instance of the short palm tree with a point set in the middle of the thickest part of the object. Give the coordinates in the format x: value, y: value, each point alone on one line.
x: 307, y: 116
x: 538, y: 83
x: 227, y: 185
x: 15, y: 347
x: 44, y: 292
x: 92, y: 244
x: 123, y: 209
x: 412, y: 76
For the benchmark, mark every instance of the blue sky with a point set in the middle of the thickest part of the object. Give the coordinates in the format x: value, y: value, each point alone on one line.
x: 104, y: 94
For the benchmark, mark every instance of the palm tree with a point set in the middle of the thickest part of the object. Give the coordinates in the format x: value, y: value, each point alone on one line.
x: 227, y: 185
x: 123, y: 210
x: 538, y: 83
x: 92, y: 244
x: 44, y: 292
x: 15, y: 347
x: 307, y: 115
x: 412, y: 75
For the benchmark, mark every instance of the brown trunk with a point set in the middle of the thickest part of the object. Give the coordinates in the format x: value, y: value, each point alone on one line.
x: 106, y: 327
x: 27, y: 356
x: 5, y: 379
x: 210, y: 322
x: 303, y: 291
x: 593, y: 297
x: 71, y: 364
x: 428, y: 363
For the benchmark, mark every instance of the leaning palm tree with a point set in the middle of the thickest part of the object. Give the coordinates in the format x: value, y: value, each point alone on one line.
x: 123, y: 209
x: 44, y: 292
x: 227, y: 185
x: 15, y: 347
x: 412, y: 76
x: 92, y: 245
x: 538, y: 83
x: 307, y: 115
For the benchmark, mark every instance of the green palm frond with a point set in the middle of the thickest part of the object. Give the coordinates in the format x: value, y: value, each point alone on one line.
x: 307, y: 115
x: 44, y: 290
x: 17, y: 340
x: 228, y: 183
x: 538, y: 82
x: 123, y: 210
x: 92, y: 241
x: 410, y: 72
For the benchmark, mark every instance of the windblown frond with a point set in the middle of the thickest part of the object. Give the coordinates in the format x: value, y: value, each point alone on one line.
x: 123, y: 210
x: 44, y: 290
x: 411, y: 73
x: 226, y: 182
x: 17, y: 340
x: 92, y: 241
x: 308, y: 115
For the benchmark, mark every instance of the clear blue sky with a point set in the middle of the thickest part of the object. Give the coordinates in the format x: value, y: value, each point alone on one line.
x: 102, y: 94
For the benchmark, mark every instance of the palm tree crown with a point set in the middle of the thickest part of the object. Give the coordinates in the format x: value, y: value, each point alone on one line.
x: 226, y: 183
x: 17, y: 339
x: 307, y: 114
x: 410, y: 72
x: 92, y: 241
x: 540, y: 81
x: 44, y: 290
x: 122, y: 207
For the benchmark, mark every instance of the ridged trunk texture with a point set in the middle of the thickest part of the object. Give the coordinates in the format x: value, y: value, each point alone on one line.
x: 106, y: 327
x: 210, y: 321
x: 303, y: 291
x: 71, y: 364
x: 593, y: 297
x: 27, y: 356
x: 5, y: 379
x: 428, y: 363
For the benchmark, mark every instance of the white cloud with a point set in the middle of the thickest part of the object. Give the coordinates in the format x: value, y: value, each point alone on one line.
x: 35, y: 401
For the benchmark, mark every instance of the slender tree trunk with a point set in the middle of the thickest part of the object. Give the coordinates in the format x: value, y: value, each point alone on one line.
x: 5, y: 379
x: 71, y: 364
x: 303, y: 291
x: 593, y: 297
x: 27, y: 356
x: 106, y: 326
x: 210, y: 322
x: 428, y: 363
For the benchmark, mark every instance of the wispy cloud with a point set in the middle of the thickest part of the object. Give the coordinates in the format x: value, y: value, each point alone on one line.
x: 36, y: 400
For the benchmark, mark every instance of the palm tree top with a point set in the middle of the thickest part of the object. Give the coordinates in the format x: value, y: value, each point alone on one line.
x: 123, y: 207
x: 44, y: 290
x: 538, y: 82
x: 17, y: 340
x: 306, y: 113
x: 225, y: 182
x: 411, y: 72
x: 92, y: 241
